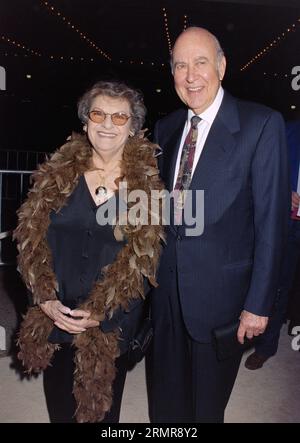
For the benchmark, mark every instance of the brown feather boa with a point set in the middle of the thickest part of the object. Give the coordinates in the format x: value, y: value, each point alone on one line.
x: 96, y: 352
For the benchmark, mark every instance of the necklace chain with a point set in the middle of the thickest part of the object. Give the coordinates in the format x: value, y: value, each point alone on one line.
x: 101, y: 190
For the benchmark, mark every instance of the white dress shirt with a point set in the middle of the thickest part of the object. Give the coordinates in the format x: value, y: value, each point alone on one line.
x: 204, y: 126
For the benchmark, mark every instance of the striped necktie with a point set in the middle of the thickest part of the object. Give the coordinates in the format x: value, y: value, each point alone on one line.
x: 184, y: 177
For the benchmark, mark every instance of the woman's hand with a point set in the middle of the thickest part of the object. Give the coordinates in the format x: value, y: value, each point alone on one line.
x: 84, y: 318
x: 66, y: 319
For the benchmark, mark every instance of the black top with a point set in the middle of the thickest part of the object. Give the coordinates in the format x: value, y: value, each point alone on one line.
x: 80, y: 248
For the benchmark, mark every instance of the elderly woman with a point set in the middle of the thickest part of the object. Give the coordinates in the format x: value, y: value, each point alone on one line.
x: 87, y: 279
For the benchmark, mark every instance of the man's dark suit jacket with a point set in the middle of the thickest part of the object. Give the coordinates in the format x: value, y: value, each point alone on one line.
x: 235, y: 263
x: 293, y: 138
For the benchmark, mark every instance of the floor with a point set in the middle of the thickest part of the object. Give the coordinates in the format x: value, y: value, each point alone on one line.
x: 268, y: 395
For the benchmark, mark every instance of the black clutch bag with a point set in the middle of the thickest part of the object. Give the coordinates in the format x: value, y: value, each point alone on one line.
x: 226, y: 343
x: 139, y: 345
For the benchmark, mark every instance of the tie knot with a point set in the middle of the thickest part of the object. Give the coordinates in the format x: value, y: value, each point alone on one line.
x: 194, y: 121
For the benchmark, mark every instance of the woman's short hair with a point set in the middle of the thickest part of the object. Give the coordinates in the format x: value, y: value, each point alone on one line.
x: 114, y: 89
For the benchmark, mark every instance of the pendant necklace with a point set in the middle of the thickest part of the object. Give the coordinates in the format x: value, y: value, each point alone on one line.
x: 102, y: 192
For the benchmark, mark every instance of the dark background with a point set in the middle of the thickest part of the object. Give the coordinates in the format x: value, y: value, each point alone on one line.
x: 38, y: 113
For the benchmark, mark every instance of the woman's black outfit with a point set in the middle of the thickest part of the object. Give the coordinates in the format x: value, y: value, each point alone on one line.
x: 80, y: 248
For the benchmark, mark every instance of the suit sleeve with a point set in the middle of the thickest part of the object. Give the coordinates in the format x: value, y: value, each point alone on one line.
x: 156, y: 140
x: 271, y: 203
x: 155, y: 135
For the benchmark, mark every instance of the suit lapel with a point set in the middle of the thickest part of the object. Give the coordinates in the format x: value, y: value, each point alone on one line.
x: 219, y: 143
x: 213, y: 157
x: 171, y: 147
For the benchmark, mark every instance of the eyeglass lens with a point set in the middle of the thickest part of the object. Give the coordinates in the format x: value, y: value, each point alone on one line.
x: 118, y: 118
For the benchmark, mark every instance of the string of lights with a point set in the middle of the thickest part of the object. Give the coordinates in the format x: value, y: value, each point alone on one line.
x: 33, y: 53
x: 276, y: 75
x: 20, y: 46
x: 66, y: 58
x: 185, y: 22
x: 277, y: 40
x: 51, y: 57
x: 69, y: 58
x: 68, y: 23
x: 15, y: 54
x: 142, y: 63
x: 167, y: 29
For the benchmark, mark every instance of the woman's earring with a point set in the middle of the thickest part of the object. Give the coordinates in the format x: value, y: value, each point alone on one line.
x: 84, y: 128
x: 131, y: 133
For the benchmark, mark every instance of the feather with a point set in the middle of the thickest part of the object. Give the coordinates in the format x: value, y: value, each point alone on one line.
x: 121, y: 280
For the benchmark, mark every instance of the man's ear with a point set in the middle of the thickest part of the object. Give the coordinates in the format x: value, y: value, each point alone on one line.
x: 222, y: 67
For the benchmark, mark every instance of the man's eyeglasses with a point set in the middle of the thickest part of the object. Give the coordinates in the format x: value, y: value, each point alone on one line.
x: 118, y: 118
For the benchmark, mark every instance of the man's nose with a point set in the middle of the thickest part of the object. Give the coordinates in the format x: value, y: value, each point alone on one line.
x: 191, y: 74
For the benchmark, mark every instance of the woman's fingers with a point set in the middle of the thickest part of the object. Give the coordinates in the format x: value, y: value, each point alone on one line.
x: 68, y: 328
x: 72, y: 321
x: 69, y: 324
x: 64, y: 309
x: 54, y: 308
x: 80, y: 313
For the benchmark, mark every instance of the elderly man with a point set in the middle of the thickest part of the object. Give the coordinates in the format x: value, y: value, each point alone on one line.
x: 236, y: 153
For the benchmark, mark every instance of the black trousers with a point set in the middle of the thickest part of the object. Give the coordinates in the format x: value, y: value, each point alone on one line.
x: 186, y: 383
x: 58, y: 386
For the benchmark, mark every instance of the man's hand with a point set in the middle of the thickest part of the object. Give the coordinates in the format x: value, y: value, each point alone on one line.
x: 295, y: 200
x: 251, y: 325
x: 66, y: 319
